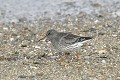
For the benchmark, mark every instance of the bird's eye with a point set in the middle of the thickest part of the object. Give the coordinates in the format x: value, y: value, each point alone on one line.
x: 48, y: 34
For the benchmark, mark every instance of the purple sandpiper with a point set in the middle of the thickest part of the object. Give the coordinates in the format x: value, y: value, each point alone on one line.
x: 66, y: 42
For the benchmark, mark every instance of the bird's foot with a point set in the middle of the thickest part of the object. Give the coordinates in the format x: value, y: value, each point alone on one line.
x: 77, y: 56
x: 61, y: 60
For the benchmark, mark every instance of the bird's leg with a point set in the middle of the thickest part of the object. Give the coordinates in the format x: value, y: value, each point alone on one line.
x: 77, y: 55
x: 62, y: 59
x: 70, y: 56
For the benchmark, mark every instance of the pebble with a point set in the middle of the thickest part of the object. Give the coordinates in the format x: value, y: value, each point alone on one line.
x: 96, y: 21
x: 11, y: 39
x: 114, y: 35
x: 103, y: 61
x: 5, y: 28
x: 102, y: 51
x: 25, y: 43
x: 38, y: 47
x: 1, y: 34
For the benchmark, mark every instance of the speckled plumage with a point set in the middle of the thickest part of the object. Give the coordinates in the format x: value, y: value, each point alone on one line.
x: 65, y: 42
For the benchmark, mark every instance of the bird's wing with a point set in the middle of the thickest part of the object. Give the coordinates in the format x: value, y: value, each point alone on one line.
x: 69, y: 39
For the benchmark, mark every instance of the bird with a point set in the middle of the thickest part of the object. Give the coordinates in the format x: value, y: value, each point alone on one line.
x: 65, y: 42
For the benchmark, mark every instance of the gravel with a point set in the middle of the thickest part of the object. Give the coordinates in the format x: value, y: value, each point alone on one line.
x: 23, y: 56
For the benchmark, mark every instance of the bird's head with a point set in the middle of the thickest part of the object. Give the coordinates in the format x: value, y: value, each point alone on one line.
x: 51, y: 34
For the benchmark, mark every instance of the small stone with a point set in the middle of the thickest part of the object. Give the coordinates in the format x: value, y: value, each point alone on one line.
x: 18, y: 36
x: 50, y: 54
x: 102, y: 54
x: 38, y: 47
x: 23, y: 19
x: 1, y: 34
x: 25, y: 43
x: 96, y: 21
x: 5, y: 28
x: 103, y: 61
x: 92, y: 30
x: 31, y: 52
x: 102, y: 51
x: 11, y: 39
x: 22, y: 76
x: 101, y: 33
x: 114, y: 35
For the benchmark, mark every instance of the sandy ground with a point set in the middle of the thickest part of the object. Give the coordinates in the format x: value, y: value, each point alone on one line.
x: 24, y: 57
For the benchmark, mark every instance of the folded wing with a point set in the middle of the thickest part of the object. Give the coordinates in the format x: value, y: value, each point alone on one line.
x: 69, y: 39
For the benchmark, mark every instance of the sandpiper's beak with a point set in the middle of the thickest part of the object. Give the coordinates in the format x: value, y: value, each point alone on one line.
x: 45, y: 37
